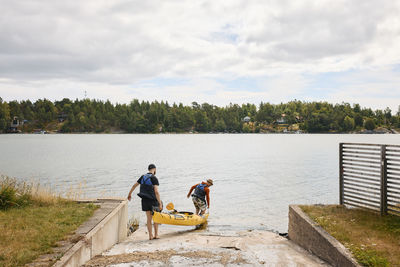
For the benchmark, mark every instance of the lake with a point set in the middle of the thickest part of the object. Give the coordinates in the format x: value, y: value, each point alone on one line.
x: 256, y: 176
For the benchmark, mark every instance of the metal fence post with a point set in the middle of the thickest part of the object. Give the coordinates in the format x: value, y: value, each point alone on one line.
x: 383, y: 181
x: 341, y: 183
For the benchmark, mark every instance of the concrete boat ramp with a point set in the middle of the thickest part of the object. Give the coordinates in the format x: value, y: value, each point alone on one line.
x: 205, y: 248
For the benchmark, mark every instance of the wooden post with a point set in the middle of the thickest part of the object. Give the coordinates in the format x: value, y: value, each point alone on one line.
x: 341, y: 183
x: 383, y: 181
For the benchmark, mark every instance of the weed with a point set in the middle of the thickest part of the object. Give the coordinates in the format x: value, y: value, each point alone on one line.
x: 76, y: 192
x: 372, y: 239
x: 133, y: 225
x: 368, y: 257
x: 14, y: 193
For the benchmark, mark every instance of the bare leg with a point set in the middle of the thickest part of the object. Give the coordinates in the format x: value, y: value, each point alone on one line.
x: 197, y: 209
x: 149, y: 220
x: 202, y: 212
x: 155, y: 230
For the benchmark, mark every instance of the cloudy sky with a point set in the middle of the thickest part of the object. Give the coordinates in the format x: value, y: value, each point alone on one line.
x: 205, y: 51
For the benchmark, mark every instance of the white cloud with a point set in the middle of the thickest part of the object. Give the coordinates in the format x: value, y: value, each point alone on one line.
x: 55, y: 49
x: 377, y: 88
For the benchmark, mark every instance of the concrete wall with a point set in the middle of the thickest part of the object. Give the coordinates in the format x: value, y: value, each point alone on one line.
x: 306, y: 233
x: 109, y: 231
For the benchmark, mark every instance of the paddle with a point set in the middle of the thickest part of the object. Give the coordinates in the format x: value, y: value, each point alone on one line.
x: 170, y: 206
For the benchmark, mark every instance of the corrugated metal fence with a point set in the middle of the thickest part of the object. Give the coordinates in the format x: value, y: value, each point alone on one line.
x: 370, y: 176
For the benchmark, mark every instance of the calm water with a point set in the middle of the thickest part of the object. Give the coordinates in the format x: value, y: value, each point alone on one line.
x: 256, y: 175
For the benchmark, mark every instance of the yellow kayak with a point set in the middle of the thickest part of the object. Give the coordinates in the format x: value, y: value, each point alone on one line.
x: 179, y: 218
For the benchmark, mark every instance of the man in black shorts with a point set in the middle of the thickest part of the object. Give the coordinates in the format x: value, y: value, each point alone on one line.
x: 150, y: 197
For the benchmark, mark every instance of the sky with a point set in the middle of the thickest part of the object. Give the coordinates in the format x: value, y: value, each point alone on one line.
x: 218, y: 52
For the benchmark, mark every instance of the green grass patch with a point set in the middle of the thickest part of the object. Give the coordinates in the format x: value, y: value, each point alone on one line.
x: 373, y: 240
x: 33, y: 219
x: 30, y: 231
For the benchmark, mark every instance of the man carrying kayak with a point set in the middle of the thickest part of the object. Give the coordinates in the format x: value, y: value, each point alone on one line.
x: 201, y: 193
x: 150, y: 197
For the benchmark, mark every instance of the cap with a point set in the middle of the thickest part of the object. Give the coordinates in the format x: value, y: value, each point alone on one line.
x: 210, y: 181
x: 152, y: 166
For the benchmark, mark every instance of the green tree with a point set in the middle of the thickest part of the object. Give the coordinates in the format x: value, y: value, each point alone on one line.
x: 141, y: 124
x: 379, y: 117
x: 356, y: 108
x: 4, y: 116
x: 317, y: 123
x: 358, y: 120
x: 265, y: 113
x: 66, y: 128
x: 15, y: 110
x: 388, y: 115
x: 394, y: 120
x: 348, y: 124
x: 220, y: 125
x: 201, y: 121
x: 246, y: 128
x: 145, y: 116
x: 45, y: 112
x: 369, y: 124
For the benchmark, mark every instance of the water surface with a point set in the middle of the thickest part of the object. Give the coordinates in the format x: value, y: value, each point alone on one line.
x: 256, y: 175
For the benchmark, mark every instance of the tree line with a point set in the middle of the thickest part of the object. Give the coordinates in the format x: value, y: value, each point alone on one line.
x: 86, y: 115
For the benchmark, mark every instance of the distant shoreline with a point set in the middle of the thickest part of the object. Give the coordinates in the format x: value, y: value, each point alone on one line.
x: 196, y: 133
x: 93, y: 116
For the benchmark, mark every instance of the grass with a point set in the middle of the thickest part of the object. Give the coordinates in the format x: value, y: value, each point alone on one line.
x: 32, y: 220
x: 373, y: 240
x: 133, y: 225
x: 14, y: 193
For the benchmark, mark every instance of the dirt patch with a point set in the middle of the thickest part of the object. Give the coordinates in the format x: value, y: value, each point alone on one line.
x: 164, y: 256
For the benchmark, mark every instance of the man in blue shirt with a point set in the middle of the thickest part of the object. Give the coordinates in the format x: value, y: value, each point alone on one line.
x: 150, y: 197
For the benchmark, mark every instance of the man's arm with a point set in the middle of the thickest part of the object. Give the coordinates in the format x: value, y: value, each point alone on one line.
x: 191, y: 189
x: 158, y: 196
x: 130, y: 192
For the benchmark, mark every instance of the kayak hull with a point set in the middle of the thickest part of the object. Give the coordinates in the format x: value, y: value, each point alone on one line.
x: 179, y: 218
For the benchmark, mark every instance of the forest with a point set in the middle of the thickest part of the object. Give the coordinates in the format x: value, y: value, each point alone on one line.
x: 89, y: 115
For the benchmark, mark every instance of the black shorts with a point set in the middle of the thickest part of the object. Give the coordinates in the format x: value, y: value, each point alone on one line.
x: 148, y: 204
